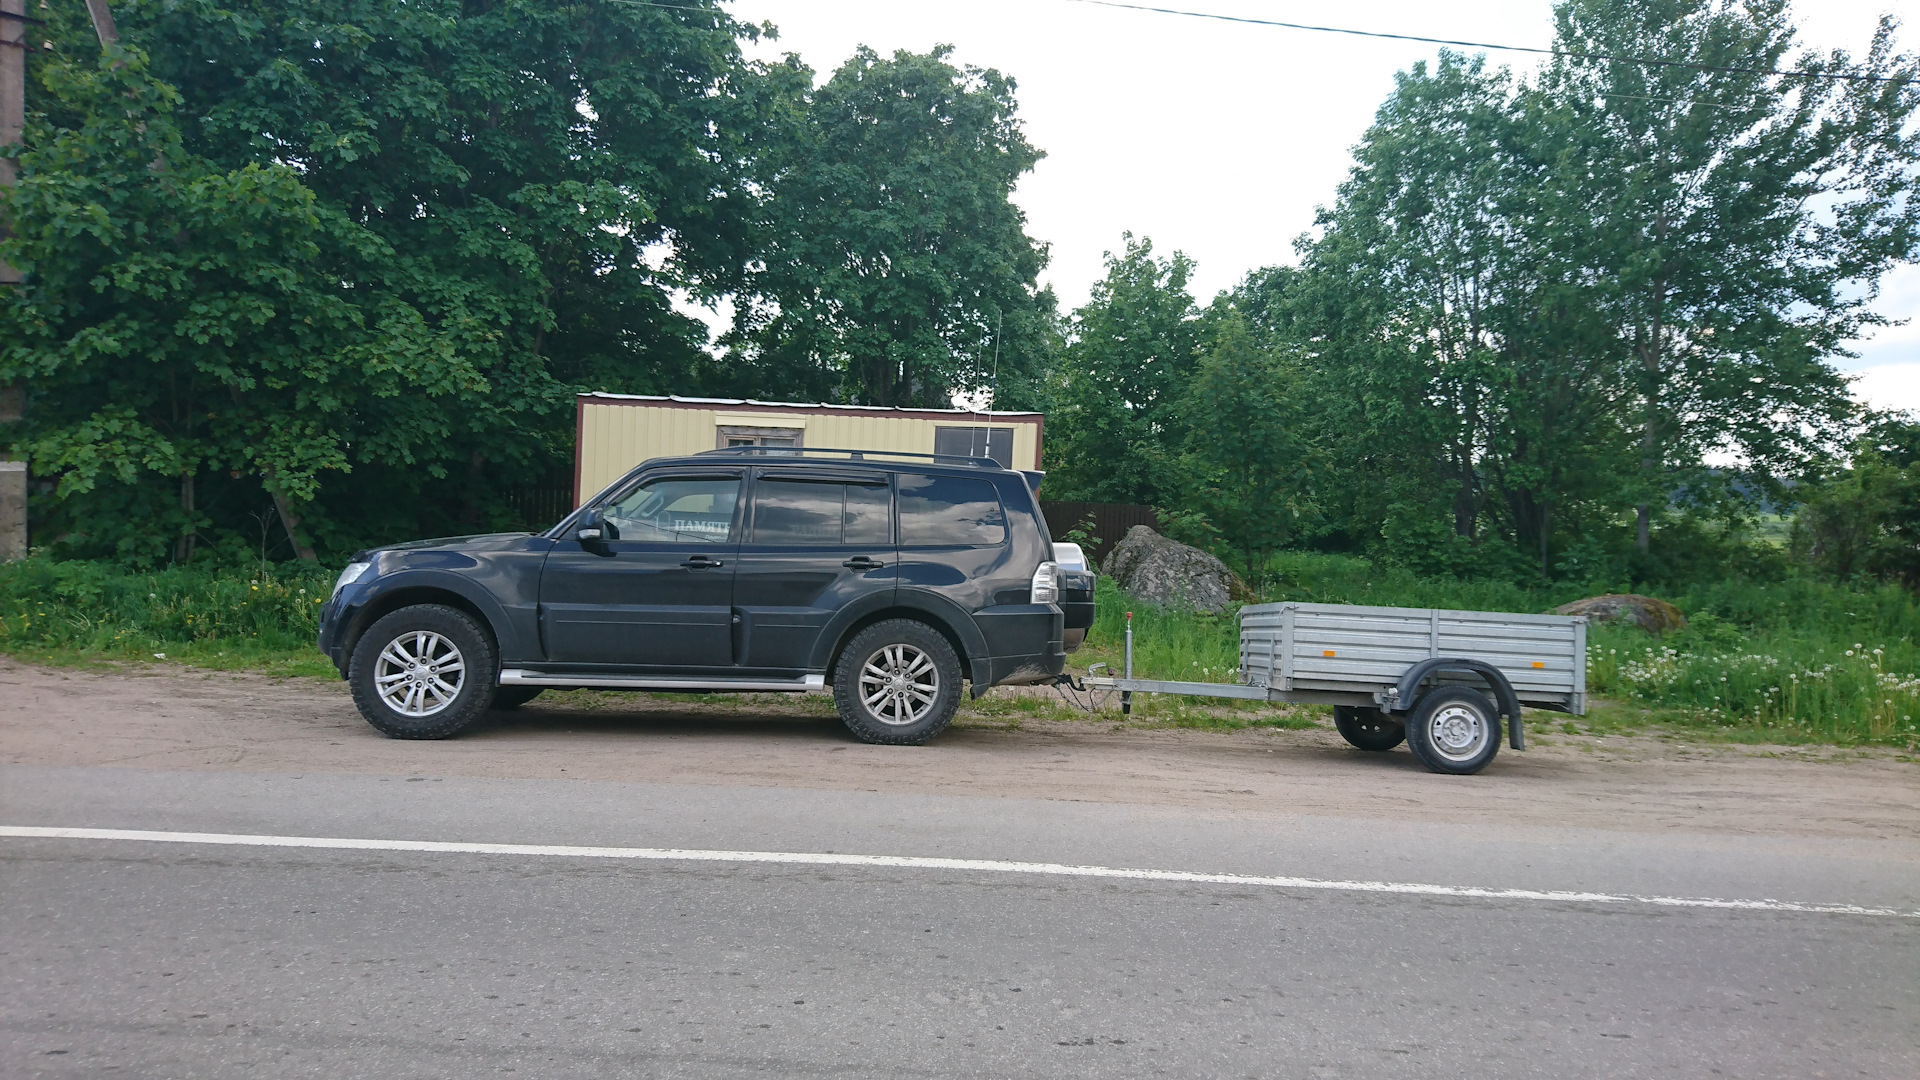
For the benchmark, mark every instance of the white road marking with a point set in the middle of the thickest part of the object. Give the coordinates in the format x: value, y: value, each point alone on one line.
x: 916, y: 862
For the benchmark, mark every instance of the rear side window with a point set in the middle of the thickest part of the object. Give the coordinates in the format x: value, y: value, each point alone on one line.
x: 813, y: 513
x: 941, y: 511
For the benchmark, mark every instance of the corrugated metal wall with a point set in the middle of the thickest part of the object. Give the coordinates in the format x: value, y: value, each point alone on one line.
x: 614, y: 437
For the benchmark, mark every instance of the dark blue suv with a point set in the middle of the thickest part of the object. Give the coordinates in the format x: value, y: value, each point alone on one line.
x: 889, y: 578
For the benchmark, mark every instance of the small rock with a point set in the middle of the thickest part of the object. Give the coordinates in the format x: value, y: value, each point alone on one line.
x: 1653, y: 615
x: 1167, y: 573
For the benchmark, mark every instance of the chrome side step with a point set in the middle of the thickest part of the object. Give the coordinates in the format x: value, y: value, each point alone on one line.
x: 526, y: 677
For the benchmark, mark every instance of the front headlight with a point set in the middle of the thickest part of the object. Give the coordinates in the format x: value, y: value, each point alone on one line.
x: 1046, y: 583
x: 354, y: 572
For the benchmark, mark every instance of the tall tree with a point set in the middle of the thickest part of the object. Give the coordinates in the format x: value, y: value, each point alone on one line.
x: 1738, y: 221
x: 500, y: 200
x: 1455, y: 356
x: 1249, y: 461
x: 172, y: 321
x: 894, y: 263
x: 1116, y: 429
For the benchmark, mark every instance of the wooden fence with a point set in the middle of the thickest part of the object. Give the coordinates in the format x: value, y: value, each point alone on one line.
x: 539, y: 507
x: 1110, y: 522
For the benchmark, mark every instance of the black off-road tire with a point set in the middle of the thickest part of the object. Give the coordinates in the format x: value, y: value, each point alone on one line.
x: 1454, y: 729
x: 871, y: 645
x: 512, y: 697
x: 480, y: 671
x: 1367, y: 728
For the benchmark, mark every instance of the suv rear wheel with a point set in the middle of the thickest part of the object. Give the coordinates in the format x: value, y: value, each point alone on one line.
x: 423, y: 672
x: 898, y: 682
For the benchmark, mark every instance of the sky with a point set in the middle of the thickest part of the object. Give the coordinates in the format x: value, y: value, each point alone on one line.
x: 1221, y: 139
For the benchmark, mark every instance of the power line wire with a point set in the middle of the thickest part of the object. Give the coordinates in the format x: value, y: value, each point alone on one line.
x: 1846, y: 76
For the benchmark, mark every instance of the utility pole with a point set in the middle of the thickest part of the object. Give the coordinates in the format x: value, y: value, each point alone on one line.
x: 13, y: 102
x: 13, y: 122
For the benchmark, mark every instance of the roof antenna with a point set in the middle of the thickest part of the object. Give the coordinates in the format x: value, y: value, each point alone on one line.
x: 993, y: 394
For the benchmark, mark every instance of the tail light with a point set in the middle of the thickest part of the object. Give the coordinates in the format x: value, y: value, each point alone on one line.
x: 1046, y: 583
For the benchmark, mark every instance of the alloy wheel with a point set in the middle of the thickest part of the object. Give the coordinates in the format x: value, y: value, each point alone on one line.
x: 419, y: 673
x: 899, y: 684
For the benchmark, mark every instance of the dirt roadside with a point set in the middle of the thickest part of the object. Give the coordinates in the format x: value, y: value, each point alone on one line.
x: 173, y: 718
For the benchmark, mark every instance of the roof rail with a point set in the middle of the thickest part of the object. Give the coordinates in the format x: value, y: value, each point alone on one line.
x: 856, y: 455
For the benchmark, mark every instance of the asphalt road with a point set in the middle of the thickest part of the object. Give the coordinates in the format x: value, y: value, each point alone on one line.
x: 188, y: 960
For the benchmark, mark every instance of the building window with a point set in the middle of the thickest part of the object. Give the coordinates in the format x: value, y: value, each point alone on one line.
x: 732, y: 437
x: 987, y: 442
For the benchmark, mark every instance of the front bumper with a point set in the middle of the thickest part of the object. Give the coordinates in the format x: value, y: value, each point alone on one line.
x: 337, y: 619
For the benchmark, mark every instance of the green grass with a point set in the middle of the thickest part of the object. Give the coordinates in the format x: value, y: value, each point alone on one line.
x: 1793, y: 662
x: 74, y: 613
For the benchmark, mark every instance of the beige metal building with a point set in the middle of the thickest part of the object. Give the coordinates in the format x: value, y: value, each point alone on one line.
x: 615, y: 432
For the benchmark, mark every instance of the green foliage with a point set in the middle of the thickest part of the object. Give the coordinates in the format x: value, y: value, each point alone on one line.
x: 1535, y: 311
x: 1114, y: 425
x: 1248, y: 463
x: 1792, y: 686
x: 264, y: 616
x: 1865, y: 522
x: 350, y: 261
x: 1734, y: 223
x: 153, y: 274
x: 896, y: 269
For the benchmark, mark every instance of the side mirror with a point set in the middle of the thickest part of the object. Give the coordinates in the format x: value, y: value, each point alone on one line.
x: 591, y: 528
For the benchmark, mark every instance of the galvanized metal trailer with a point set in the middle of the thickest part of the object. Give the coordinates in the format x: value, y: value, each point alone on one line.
x: 1440, y: 680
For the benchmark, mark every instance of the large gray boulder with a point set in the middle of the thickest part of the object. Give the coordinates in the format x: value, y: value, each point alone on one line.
x: 1649, y: 613
x: 1168, y: 573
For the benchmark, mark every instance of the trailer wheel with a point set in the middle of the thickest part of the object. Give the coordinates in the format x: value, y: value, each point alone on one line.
x: 1454, y: 729
x: 1368, y: 728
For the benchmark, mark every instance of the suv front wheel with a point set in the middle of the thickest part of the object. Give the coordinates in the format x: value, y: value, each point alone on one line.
x: 898, y: 682
x: 423, y: 672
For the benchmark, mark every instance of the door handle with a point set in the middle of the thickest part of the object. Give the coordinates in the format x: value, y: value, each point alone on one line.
x: 862, y: 562
x: 701, y: 562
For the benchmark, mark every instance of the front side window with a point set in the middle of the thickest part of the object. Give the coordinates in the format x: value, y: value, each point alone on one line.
x: 677, y: 510
x: 943, y: 511
x: 820, y: 513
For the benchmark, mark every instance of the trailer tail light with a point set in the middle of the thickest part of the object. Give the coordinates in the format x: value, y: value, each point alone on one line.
x: 1046, y: 583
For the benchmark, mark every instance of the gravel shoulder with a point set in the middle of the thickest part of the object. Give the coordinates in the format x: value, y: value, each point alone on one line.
x: 165, y: 717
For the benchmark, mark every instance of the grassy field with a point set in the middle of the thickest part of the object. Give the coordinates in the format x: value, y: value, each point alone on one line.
x: 1792, y: 662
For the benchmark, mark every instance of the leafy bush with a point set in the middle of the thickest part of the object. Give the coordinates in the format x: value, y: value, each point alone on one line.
x: 95, y: 608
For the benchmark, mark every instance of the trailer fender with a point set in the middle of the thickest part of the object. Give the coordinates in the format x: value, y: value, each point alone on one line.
x: 1407, y: 690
